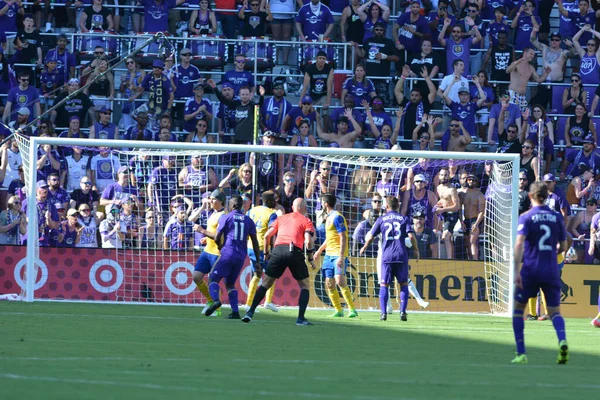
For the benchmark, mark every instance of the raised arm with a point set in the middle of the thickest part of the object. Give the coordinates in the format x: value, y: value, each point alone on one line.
x: 578, y: 49
x: 441, y: 36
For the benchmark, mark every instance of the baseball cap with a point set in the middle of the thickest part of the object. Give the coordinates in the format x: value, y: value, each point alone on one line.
x: 72, y: 211
x: 199, y: 85
x: 62, y: 36
x: 158, y: 64
x: 555, y: 34
x: 246, y: 196
x: 51, y: 58
x: 501, y: 9
x: 105, y: 110
x: 180, y: 208
x: 74, y: 117
x: 321, y: 53
x: 463, y: 89
x: 473, y: 176
x: 59, y: 206
x: 227, y: 85
x: 589, y: 138
x: 307, y: 99
x: 123, y: 169
x: 379, y: 24
x: 185, y: 51
x: 549, y: 178
x: 418, y: 214
x: 24, y: 111
x: 73, y: 81
x: 269, y: 133
x: 41, y: 184
x: 218, y: 195
x: 591, y: 200
x: 421, y: 178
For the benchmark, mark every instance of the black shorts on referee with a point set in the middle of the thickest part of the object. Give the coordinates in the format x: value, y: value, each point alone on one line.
x: 282, y: 258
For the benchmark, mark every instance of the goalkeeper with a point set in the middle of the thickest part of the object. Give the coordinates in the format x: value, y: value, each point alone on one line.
x: 294, y: 232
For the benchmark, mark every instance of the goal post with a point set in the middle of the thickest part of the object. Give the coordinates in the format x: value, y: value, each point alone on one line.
x: 498, y: 237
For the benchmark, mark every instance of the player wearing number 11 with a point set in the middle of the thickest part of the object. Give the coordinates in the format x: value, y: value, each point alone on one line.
x: 394, y: 259
x: 231, y: 236
x: 541, y: 234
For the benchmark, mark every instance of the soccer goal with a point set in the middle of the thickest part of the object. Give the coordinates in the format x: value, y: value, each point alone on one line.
x: 155, y: 270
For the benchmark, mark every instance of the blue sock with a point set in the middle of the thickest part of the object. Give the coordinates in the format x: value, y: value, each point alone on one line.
x: 233, y: 300
x: 213, y: 288
x: 403, y: 298
x: 519, y: 330
x: 559, y: 326
x: 383, y: 299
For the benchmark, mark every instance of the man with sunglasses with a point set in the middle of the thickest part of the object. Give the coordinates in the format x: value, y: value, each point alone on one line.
x: 456, y: 137
x: 78, y: 105
x: 239, y: 77
x: 473, y: 202
x: 55, y: 192
x: 255, y: 21
x: 186, y: 77
x: 509, y: 139
x: 275, y: 109
x: 104, y: 128
x: 85, y: 195
x: 379, y: 52
x: 419, y: 200
x: 409, y: 29
x: 590, y: 57
x: 314, y: 20
x: 161, y: 96
x: 457, y: 47
x: 435, y: 20
x: 510, y: 114
x: 20, y: 96
x: 573, y: 162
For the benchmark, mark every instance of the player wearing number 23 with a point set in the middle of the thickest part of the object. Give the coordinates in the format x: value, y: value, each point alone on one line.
x: 541, y: 234
x: 232, y: 234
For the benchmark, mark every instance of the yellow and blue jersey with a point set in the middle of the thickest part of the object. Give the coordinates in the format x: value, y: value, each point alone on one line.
x: 335, y: 225
x: 263, y: 218
x: 211, y: 226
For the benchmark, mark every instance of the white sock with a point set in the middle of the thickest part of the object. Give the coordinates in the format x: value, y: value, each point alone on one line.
x: 48, y: 26
x: 412, y: 289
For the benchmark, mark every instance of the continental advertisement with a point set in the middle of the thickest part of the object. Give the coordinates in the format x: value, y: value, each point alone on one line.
x: 166, y: 277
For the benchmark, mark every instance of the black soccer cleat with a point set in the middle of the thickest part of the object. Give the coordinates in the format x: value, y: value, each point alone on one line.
x: 248, y: 317
x: 210, y: 310
x: 234, y: 315
x: 403, y: 316
x: 303, y: 322
x: 383, y: 317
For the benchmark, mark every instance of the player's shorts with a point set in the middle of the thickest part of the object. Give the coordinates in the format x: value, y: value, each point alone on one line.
x: 531, y: 288
x: 330, y: 269
x: 450, y: 220
x: 227, y: 267
x: 261, y: 259
x: 389, y: 271
x: 469, y: 223
x: 282, y: 258
x: 205, y: 262
x: 518, y: 99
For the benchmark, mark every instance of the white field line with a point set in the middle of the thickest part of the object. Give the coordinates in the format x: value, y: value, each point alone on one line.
x: 507, y: 330
x: 201, y: 388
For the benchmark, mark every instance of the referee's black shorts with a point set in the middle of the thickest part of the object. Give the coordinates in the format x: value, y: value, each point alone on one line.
x: 282, y: 258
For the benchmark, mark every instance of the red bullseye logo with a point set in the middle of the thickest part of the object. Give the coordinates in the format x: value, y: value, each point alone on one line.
x: 42, y: 273
x: 106, y: 276
x: 178, y: 278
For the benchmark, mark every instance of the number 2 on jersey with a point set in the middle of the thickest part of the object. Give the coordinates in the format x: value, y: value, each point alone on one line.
x: 542, y: 246
x: 388, y: 230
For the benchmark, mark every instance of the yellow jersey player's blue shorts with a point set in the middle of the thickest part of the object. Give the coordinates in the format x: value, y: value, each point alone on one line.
x: 261, y: 259
x: 330, y: 268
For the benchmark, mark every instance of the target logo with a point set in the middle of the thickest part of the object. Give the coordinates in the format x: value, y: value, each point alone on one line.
x: 106, y: 276
x: 43, y: 272
x: 178, y: 278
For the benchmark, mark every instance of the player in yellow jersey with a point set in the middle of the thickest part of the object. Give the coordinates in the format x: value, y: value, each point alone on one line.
x: 211, y: 252
x: 336, y: 256
x: 263, y: 216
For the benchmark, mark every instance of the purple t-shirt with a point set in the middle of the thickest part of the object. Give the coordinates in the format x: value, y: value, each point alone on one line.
x: 64, y: 62
x: 22, y: 98
x: 565, y: 25
x: 523, y: 32
x: 178, y: 234
x: 393, y: 229
x: 190, y: 107
x: 156, y: 15
x: 387, y: 188
x: 578, y: 21
x: 59, y: 196
x: 510, y: 116
x: 235, y: 228
x: 239, y: 79
x: 8, y: 21
x: 314, y: 25
x: 494, y: 28
x: 184, y: 80
x: 466, y: 114
x: 543, y: 230
x: 460, y: 50
x: 434, y: 34
x: 115, y: 191
x: 411, y: 42
x: 42, y: 208
x: 298, y: 117
x: 359, y: 90
x: 273, y: 113
x: 165, y: 186
x: 380, y: 118
x: 50, y: 81
x: 557, y: 201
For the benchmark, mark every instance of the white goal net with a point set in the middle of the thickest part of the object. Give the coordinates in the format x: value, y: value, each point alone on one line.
x: 139, y: 261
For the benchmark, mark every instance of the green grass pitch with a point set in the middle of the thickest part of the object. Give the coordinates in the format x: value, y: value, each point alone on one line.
x: 99, y: 351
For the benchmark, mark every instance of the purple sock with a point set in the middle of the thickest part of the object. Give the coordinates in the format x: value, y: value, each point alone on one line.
x: 233, y: 300
x: 403, y: 298
x: 213, y: 288
x: 559, y: 326
x: 383, y: 299
x: 519, y: 328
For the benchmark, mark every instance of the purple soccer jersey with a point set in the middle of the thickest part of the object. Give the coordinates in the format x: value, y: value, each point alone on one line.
x: 510, y: 116
x: 23, y: 98
x: 239, y: 79
x: 393, y: 229
x: 543, y: 230
x: 184, y: 80
x: 466, y: 114
x: 578, y: 21
x: 116, y: 191
x: 235, y: 227
x: 178, y: 234
x: 314, y: 25
x: 156, y: 15
x: 523, y: 31
x: 190, y: 107
x: 410, y: 41
x: 460, y: 51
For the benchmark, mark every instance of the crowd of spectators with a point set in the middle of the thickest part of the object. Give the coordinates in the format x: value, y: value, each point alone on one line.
x: 446, y: 75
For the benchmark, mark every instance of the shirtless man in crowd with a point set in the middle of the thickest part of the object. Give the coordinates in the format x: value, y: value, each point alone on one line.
x: 521, y: 71
x: 447, y: 208
x: 344, y: 138
x: 473, y: 212
x: 459, y: 137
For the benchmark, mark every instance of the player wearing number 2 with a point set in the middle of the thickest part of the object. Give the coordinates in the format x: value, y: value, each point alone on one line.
x: 231, y: 236
x: 336, y: 256
x: 540, y: 235
x: 394, y: 261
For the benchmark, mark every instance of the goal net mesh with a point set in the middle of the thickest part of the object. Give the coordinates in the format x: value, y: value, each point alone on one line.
x: 148, y: 264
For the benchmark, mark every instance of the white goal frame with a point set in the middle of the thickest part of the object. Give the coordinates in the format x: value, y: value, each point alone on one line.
x: 32, y: 230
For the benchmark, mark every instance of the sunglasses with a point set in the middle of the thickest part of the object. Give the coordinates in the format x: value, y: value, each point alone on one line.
x: 377, y: 201
x: 254, y: 5
x: 377, y: 103
x: 15, y: 202
x: 290, y: 180
x: 247, y: 171
x: 555, y: 39
x: 512, y: 131
x: 325, y: 169
x: 130, y: 62
x: 527, y: 147
x: 454, y: 125
x: 240, y: 61
x: 84, y: 210
x: 307, y: 104
x: 150, y: 217
x: 425, y: 137
x: 522, y: 179
x: 419, y: 181
x: 418, y: 217
x: 202, y: 126
x: 86, y: 183
x: 53, y: 180
x: 186, y: 54
x: 105, y: 113
x: 24, y: 79
x: 43, y: 126
x: 591, y: 44
x: 472, y: 11
x: 457, y: 31
x: 574, y: 80
x: 378, y: 30
x: 99, y: 53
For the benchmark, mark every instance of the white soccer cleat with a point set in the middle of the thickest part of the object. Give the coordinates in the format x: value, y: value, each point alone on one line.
x: 390, y: 309
x: 271, y: 306
x: 423, y: 303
